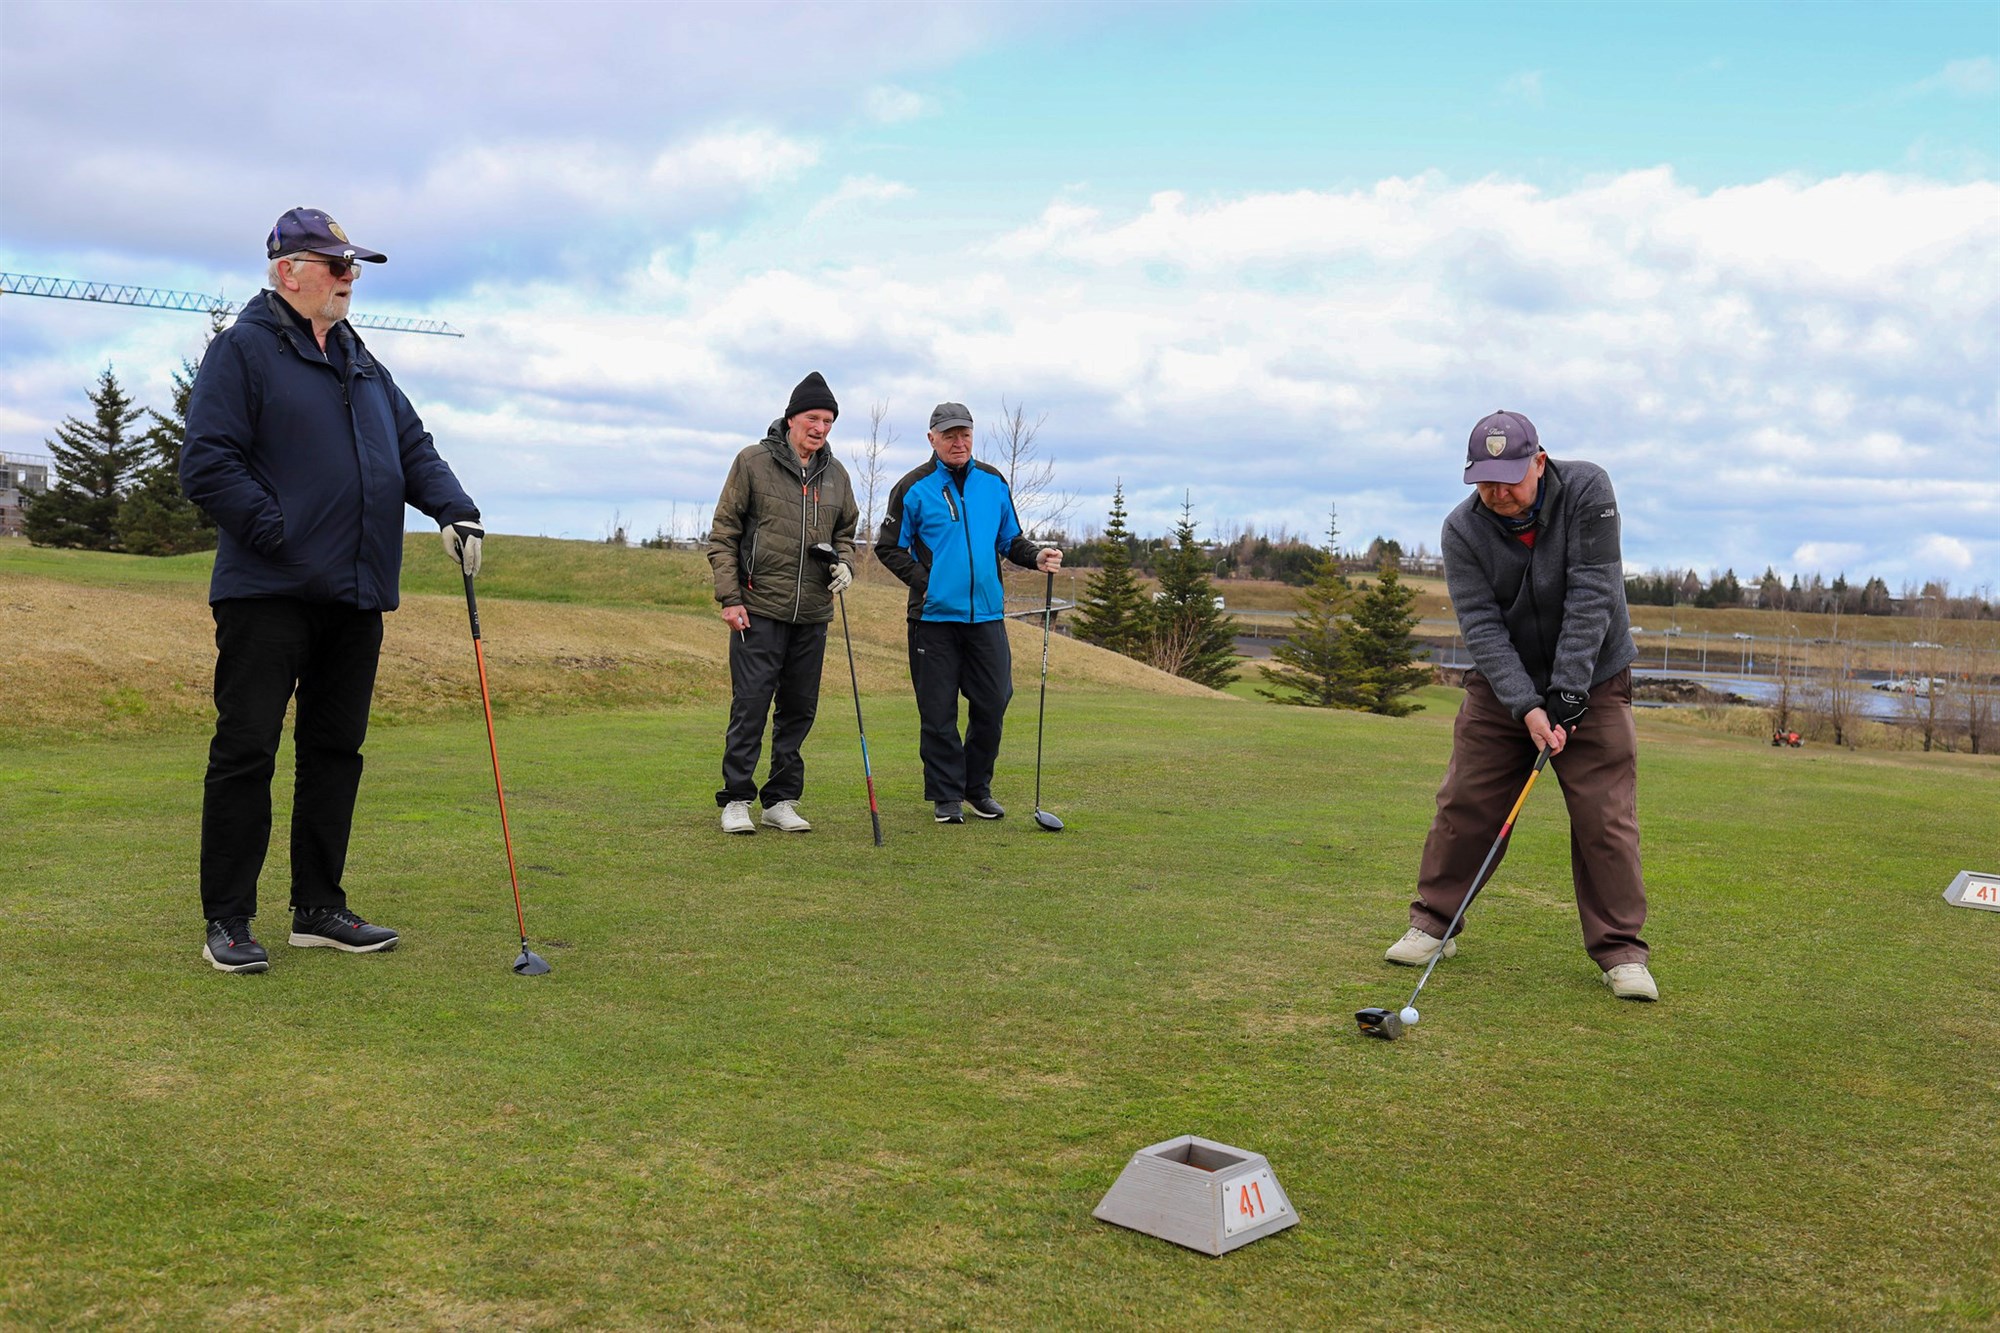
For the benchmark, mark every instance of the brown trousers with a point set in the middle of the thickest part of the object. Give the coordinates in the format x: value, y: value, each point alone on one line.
x: 1491, y: 756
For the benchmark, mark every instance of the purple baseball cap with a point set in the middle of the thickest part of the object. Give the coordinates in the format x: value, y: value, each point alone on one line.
x: 1502, y: 448
x: 309, y: 231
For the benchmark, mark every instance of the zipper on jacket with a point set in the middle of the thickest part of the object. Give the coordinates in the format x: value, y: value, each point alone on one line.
x: 805, y: 527
x: 971, y: 564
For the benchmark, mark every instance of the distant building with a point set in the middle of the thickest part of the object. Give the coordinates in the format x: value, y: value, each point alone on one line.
x: 21, y: 475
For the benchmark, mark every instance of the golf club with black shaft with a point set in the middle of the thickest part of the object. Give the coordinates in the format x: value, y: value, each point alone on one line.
x: 530, y: 963
x: 825, y: 554
x: 1388, y: 1024
x: 1044, y: 821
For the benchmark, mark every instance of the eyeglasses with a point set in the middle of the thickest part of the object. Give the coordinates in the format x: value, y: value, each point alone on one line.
x: 338, y: 268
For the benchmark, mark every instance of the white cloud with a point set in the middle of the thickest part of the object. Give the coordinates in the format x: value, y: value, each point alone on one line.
x: 858, y: 192
x: 888, y: 105
x: 1797, y: 372
x: 1976, y: 77
x: 1943, y: 554
x: 1526, y: 86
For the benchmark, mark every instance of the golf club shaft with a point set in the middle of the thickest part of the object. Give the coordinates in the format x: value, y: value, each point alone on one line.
x: 1479, y: 880
x: 493, y: 747
x: 867, y: 772
x: 1042, y: 708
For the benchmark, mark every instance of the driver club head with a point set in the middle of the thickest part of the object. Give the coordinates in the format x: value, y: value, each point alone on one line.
x: 1383, y: 1023
x: 1047, y: 822
x: 530, y: 963
x: 823, y: 552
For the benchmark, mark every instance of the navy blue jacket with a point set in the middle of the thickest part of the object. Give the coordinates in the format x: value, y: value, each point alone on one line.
x: 947, y: 543
x: 304, y: 469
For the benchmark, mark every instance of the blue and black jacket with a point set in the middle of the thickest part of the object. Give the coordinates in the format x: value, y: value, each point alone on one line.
x: 945, y: 533
x: 305, y: 458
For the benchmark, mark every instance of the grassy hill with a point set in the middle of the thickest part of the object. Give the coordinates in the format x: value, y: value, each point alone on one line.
x: 94, y: 644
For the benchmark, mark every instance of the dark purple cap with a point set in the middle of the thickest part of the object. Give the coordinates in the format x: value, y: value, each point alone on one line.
x: 1502, y: 448
x: 309, y: 231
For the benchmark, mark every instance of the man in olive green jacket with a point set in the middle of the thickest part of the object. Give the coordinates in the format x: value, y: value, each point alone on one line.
x: 785, y: 494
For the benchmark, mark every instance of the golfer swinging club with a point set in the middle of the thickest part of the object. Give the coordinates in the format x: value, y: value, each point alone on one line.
x: 1533, y: 566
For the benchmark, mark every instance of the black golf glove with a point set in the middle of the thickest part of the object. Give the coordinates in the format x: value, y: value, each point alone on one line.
x: 1566, y: 708
x: 461, y: 542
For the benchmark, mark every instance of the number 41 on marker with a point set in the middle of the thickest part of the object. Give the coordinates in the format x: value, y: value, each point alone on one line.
x: 1249, y: 1201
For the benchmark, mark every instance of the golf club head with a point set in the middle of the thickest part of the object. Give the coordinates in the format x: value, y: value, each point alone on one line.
x: 530, y: 963
x: 1047, y: 822
x: 823, y: 552
x: 1383, y: 1023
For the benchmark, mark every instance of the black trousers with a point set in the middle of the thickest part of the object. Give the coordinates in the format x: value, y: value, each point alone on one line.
x: 267, y: 649
x: 772, y: 660
x: 949, y: 658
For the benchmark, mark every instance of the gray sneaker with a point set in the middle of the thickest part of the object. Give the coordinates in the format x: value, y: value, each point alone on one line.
x: 785, y: 817
x: 736, y: 818
x: 948, y: 812
x: 1415, y: 948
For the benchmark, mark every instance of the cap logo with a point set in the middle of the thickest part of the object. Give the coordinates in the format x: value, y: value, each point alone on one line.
x: 1496, y: 445
x: 334, y: 228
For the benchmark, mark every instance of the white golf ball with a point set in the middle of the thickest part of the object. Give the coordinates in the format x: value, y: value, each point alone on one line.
x: 1409, y: 1015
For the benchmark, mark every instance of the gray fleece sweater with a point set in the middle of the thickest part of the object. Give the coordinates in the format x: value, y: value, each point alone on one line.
x: 1550, y: 616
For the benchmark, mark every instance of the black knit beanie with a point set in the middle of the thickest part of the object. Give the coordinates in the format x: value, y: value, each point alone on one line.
x: 811, y: 393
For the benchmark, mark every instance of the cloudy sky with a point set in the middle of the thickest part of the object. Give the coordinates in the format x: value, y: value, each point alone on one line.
x: 1275, y: 257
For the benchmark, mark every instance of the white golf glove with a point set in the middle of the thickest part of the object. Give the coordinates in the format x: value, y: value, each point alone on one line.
x: 461, y: 542
x: 842, y: 576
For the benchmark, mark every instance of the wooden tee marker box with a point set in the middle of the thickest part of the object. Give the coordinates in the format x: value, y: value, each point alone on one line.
x: 1199, y: 1193
x: 1972, y: 889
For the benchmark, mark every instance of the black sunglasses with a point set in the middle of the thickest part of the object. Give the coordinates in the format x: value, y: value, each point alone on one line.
x: 338, y: 268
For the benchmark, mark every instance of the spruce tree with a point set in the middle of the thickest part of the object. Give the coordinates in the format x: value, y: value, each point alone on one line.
x: 1315, y: 663
x: 1384, y: 647
x: 158, y: 518
x: 94, y: 462
x: 1112, y: 614
x: 1186, y: 633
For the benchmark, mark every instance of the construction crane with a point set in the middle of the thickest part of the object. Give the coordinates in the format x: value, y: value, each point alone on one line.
x: 162, y: 298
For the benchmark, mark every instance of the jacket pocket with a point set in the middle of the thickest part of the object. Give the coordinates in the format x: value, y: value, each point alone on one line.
x: 1598, y: 535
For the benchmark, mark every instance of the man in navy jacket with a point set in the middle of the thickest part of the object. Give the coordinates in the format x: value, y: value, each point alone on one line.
x: 946, y: 528
x: 304, y: 452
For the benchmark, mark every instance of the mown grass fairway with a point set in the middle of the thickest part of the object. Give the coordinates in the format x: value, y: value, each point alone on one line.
x: 803, y: 1082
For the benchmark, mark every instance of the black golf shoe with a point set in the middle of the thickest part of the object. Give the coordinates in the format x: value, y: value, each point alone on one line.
x: 948, y: 812
x: 230, y: 947
x: 987, y: 808
x: 338, y: 928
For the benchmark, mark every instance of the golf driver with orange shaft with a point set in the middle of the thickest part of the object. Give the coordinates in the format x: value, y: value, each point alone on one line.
x: 1388, y: 1024
x: 530, y: 963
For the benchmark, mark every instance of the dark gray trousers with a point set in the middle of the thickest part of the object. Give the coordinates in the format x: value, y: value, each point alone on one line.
x: 772, y: 661
x: 949, y: 658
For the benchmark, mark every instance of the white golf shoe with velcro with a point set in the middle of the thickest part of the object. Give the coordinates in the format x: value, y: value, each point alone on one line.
x: 736, y: 818
x: 1416, y: 948
x: 785, y: 817
x: 1631, y: 981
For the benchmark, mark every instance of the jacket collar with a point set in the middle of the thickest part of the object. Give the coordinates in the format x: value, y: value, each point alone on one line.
x: 276, y: 314
x: 781, y: 448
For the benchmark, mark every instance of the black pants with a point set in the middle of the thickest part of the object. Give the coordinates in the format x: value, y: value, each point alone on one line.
x: 771, y: 659
x: 949, y: 658
x: 267, y: 648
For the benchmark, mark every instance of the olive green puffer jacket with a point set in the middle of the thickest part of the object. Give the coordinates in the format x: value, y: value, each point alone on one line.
x: 771, y: 510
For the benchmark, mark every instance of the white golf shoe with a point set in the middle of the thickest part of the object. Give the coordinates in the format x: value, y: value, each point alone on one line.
x: 736, y: 818
x: 785, y: 817
x: 1631, y: 981
x: 1415, y: 948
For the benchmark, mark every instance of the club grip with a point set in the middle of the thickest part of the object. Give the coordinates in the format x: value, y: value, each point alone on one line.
x: 472, y: 607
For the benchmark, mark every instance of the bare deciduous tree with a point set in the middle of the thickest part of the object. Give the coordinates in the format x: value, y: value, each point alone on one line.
x: 1011, y: 447
x: 873, y: 475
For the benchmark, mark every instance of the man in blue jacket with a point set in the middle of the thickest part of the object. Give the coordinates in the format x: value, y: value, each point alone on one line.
x: 946, y: 528
x: 304, y: 452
